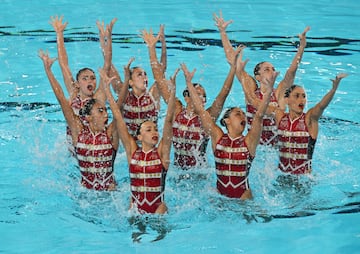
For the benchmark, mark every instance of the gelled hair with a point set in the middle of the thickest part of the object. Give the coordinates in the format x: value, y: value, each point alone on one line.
x: 133, y: 69
x: 82, y: 70
x: 186, y: 92
x: 138, y: 129
x: 289, y: 90
x: 226, y: 115
x: 86, y: 109
x: 257, y: 68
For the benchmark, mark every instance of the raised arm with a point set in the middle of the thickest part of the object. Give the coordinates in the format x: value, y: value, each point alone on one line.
x: 123, y: 89
x: 244, y: 78
x: 222, y: 25
x: 247, y: 82
x: 158, y: 68
x: 314, y: 114
x: 162, y: 39
x: 105, y: 37
x: 218, y: 104
x: 59, y: 27
x: 291, y: 72
x: 117, y: 83
x: 126, y: 139
x: 254, y: 134
x: 208, y: 123
x: 165, y: 144
x: 72, y: 120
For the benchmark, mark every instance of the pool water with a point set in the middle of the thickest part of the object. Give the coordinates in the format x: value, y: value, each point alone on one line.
x: 43, y: 208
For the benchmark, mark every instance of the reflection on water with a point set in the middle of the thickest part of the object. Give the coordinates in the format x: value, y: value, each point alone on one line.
x: 188, y: 41
x: 152, y: 226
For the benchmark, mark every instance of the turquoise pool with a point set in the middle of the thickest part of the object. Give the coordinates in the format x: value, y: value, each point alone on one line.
x: 43, y: 209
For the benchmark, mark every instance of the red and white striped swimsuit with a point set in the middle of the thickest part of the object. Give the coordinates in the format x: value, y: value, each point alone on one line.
x: 147, y: 180
x: 96, y: 156
x: 138, y: 109
x: 232, y: 162
x: 295, y: 145
x: 189, y: 141
x: 269, y: 132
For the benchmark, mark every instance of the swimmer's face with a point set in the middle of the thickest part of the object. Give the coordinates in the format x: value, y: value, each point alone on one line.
x: 200, y: 92
x: 266, y: 70
x: 87, y: 83
x: 148, y: 133
x: 139, y: 80
x: 297, y: 100
x: 98, y: 116
x: 236, y: 120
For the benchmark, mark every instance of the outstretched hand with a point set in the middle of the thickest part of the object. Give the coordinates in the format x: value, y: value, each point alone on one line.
x: 188, y: 75
x: 105, y: 78
x: 220, y: 22
x: 110, y: 26
x: 57, y: 23
x: 161, y: 33
x: 337, y: 79
x: 240, y: 64
x: 172, y: 84
x: 44, y: 55
x: 302, y: 36
x: 127, y: 71
x: 101, y: 27
x: 105, y: 32
x: 149, y: 37
x: 235, y: 55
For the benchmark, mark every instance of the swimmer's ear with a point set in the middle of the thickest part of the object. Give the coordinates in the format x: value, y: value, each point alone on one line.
x: 227, y: 121
x: 187, y: 99
x: 88, y: 118
x: 139, y: 137
x: 76, y: 84
x: 130, y: 83
x: 286, y: 100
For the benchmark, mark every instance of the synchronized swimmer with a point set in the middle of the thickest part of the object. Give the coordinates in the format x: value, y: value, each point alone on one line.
x: 188, y: 127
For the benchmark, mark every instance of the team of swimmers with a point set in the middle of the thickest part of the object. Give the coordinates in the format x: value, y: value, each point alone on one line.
x: 188, y: 127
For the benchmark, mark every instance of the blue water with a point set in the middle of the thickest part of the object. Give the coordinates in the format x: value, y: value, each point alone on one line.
x: 43, y: 209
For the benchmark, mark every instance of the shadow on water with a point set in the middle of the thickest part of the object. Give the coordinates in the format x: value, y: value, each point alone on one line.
x: 8, y: 106
x: 102, y: 211
x: 147, y: 226
x: 348, y: 208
